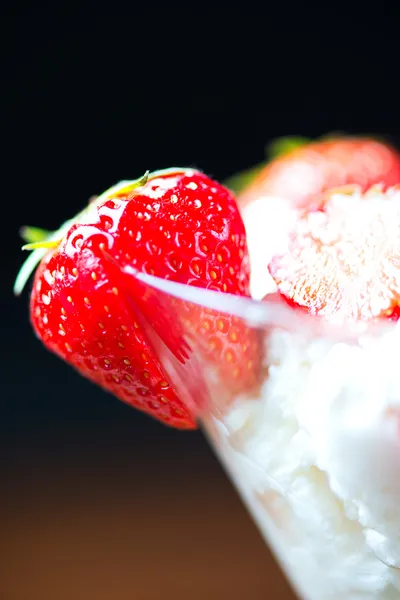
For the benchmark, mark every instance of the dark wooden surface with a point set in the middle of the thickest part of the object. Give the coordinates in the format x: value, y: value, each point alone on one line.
x: 102, y: 517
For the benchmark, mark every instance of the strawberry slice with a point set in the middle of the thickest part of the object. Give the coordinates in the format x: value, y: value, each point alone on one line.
x: 343, y: 260
x: 176, y: 224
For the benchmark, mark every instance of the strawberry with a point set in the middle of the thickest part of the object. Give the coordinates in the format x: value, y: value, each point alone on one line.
x: 307, y: 170
x: 343, y: 259
x: 295, y: 179
x: 177, y: 224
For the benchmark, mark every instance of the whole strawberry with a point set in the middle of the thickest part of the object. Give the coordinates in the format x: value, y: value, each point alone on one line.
x: 176, y: 224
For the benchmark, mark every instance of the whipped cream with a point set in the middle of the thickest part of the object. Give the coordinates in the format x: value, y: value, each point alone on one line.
x: 267, y: 220
x: 316, y: 455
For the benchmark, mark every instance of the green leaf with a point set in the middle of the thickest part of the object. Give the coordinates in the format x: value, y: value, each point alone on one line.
x: 27, y: 269
x: 284, y: 145
x: 45, y: 244
x: 241, y: 180
x: 275, y: 149
x: 32, y: 235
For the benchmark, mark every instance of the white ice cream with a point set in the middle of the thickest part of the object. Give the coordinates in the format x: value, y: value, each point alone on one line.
x: 317, y: 456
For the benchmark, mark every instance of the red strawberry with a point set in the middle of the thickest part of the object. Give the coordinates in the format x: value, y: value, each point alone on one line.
x: 343, y: 260
x: 308, y: 170
x: 295, y: 180
x: 176, y: 224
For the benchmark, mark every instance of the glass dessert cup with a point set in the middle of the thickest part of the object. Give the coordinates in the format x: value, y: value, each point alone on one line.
x: 311, y: 442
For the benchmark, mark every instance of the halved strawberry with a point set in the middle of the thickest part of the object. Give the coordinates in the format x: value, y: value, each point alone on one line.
x: 343, y: 260
x: 295, y: 179
x: 308, y: 169
x: 176, y: 224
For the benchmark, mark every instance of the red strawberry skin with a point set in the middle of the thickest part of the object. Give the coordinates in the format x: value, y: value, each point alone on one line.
x: 181, y: 225
x: 307, y: 171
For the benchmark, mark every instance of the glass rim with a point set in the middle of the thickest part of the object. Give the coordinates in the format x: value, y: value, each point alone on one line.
x: 266, y: 313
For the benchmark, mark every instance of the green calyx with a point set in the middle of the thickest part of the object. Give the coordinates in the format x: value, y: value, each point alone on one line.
x: 276, y: 149
x: 40, y: 241
x: 238, y: 182
x: 33, y: 235
x: 284, y: 145
x: 123, y: 187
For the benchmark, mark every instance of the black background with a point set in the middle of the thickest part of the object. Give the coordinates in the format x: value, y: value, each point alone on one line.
x: 88, y: 100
